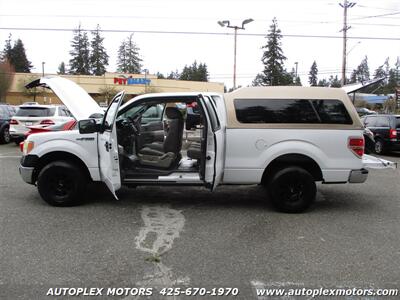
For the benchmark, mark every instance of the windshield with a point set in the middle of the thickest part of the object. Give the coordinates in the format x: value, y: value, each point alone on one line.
x: 35, y: 112
x: 397, y: 122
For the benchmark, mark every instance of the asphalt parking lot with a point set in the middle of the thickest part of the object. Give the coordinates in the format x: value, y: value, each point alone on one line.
x: 189, y: 237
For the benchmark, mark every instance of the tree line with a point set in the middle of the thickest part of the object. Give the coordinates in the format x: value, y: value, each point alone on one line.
x: 89, y: 57
x: 274, y: 72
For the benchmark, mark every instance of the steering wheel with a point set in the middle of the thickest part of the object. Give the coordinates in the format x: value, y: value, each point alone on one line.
x: 135, y: 124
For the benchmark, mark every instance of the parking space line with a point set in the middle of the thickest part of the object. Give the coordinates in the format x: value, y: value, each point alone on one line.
x: 11, y: 152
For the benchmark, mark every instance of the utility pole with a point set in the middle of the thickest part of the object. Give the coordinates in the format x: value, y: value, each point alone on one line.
x: 345, y: 5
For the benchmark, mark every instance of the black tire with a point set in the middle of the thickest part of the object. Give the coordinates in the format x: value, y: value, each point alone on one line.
x: 292, y: 190
x: 61, y: 183
x: 379, y: 147
x: 5, y: 136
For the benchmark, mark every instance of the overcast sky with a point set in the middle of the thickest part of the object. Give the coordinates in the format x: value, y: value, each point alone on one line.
x: 165, y: 52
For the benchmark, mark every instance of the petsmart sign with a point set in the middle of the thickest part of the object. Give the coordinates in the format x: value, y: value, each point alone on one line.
x: 131, y: 81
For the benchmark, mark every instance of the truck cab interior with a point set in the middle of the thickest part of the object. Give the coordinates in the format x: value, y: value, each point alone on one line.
x: 153, y: 139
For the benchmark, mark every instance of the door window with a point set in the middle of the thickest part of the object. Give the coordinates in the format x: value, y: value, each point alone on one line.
x: 213, y: 115
x: 153, y: 114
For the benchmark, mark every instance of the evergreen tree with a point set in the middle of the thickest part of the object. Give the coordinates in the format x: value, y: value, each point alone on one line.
x: 323, y: 82
x: 195, y: 72
x: 258, y: 81
x: 202, y: 72
x: 160, y: 75
x: 16, y: 56
x: 394, y: 78
x: 313, y: 74
x: 382, y: 70
x: 98, y: 55
x: 273, y: 59
x: 334, y: 82
x: 128, y: 57
x: 7, y: 51
x: 361, y: 74
x: 174, y: 75
x: 79, y: 64
x: 61, y: 68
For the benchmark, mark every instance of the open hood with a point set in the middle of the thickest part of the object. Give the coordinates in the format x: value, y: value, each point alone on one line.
x: 352, y: 88
x: 75, y: 98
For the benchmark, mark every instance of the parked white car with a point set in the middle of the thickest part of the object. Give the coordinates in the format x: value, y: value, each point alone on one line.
x: 283, y: 138
x: 33, y: 114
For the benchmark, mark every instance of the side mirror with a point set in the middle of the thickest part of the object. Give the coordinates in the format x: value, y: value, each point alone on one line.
x: 88, y: 126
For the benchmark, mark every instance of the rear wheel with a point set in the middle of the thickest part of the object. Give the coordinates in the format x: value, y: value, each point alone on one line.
x: 61, y: 183
x: 292, y: 189
x: 5, y: 136
x: 379, y: 147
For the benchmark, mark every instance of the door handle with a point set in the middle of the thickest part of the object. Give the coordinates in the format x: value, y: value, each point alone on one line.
x: 108, y: 146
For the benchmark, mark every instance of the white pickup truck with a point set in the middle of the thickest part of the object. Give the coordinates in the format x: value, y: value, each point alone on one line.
x: 284, y: 138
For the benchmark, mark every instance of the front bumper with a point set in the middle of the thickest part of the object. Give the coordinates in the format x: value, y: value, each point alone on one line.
x: 27, y: 168
x: 358, y: 176
x: 27, y: 174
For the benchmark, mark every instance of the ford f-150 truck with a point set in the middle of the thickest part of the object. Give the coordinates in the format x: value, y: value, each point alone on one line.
x: 283, y: 138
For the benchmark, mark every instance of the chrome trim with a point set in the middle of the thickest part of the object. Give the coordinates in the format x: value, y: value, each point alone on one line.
x: 358, y: 176
x: 26, y: 174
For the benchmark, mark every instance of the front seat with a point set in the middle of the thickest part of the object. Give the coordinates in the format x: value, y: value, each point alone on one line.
x: 163, y: 155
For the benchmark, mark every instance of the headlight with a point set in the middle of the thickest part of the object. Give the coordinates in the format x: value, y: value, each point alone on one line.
x: 28, y: 146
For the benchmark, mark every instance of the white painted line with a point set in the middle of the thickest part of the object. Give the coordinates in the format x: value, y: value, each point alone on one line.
x: 3, y: 153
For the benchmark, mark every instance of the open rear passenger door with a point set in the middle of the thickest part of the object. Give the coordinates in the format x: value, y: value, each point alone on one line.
x: 215, y: 144
x: 108, y: 147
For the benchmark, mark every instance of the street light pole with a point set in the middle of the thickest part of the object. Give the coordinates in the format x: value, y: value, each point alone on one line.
x: 234, y: 59
x: 236, y: 28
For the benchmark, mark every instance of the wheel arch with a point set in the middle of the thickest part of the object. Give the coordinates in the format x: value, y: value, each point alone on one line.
x: 292, y: 159
x: 60, y: 156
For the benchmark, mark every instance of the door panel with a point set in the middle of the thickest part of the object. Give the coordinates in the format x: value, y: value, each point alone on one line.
x: 215, y: 145
x: 108, y: 147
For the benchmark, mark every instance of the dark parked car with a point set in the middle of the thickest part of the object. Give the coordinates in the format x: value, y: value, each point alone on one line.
x: 386, y: 129
x: 6, y: 112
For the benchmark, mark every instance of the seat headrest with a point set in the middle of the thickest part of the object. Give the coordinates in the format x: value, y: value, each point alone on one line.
x: 173, y: 113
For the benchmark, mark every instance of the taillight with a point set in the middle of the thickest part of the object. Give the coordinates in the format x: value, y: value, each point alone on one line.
x: 13, y: 122
x: 356, y: 145
x: 393, y: 133
x: 47, y: 122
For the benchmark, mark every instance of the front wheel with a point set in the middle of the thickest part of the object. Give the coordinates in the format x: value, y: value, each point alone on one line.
x: 61, y: 183
x: 292, y: 189
x: 5, y: 136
